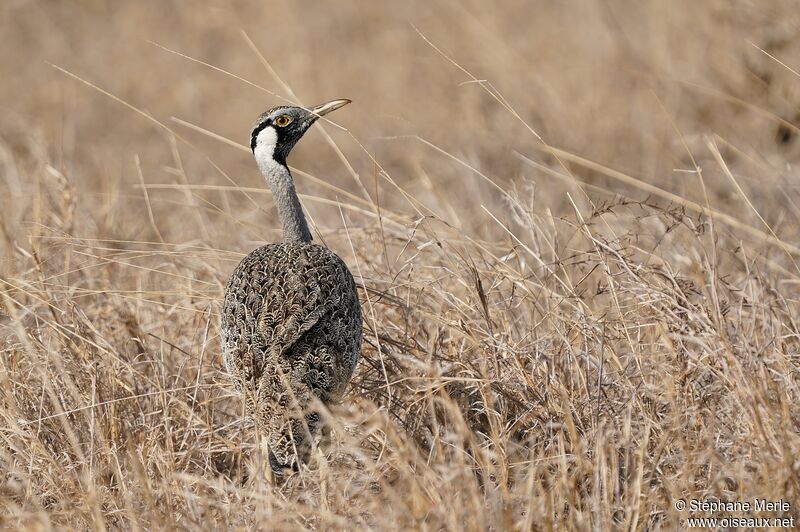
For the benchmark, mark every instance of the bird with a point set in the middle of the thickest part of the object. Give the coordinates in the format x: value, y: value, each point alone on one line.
x: 291, y: 318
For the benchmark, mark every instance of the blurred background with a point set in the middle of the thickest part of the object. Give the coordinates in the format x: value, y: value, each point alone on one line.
x: 639, y: 87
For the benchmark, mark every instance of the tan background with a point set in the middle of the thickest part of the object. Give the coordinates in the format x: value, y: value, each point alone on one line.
x: 538, y: 353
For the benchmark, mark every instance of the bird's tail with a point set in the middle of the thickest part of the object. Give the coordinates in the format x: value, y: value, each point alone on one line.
x: 291, y: 445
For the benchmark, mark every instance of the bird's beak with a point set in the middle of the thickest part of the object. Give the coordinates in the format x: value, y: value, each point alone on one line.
x: 325, y: 108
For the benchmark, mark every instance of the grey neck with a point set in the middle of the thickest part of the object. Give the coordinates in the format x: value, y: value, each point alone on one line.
x: 290, y: 212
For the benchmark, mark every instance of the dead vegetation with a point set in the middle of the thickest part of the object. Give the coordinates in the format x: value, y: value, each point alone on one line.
x: 575, y: 231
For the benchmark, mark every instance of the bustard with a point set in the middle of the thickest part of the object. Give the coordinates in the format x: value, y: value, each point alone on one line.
x: 291, y: 319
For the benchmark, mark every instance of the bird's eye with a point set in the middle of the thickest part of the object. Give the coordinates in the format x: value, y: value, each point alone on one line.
x: 283, y: 120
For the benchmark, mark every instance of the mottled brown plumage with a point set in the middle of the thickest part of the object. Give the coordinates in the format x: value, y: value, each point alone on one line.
x: 291, y: 318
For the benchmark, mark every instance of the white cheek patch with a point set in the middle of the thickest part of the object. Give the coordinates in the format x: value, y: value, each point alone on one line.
x: 266, y: 140
x: 265, y: 148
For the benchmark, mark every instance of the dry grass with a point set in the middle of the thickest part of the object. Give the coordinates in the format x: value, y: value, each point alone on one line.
x: 575, y: 227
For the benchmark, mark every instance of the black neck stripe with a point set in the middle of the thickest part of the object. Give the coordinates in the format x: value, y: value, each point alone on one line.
x: 254, y: 136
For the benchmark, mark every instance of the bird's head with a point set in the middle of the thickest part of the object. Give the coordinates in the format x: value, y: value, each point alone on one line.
x: 277, y: 131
